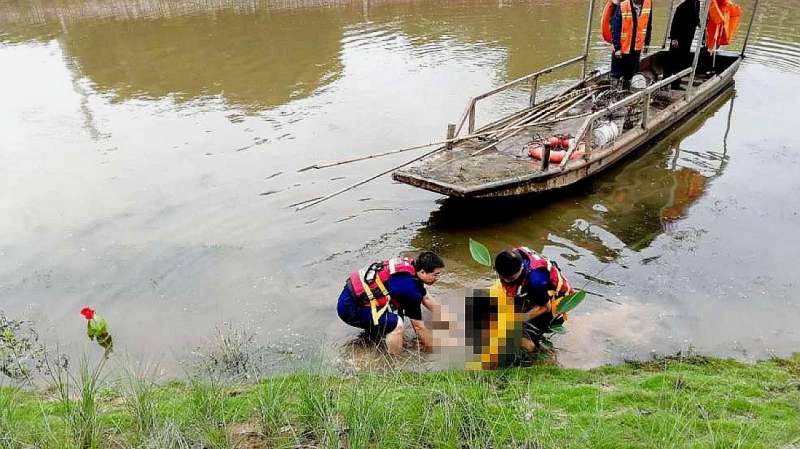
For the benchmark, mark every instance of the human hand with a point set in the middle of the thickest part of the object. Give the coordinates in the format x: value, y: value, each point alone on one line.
x: 618, y: 54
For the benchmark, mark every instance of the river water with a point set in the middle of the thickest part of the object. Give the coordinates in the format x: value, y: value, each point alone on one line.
x: 149, y: 154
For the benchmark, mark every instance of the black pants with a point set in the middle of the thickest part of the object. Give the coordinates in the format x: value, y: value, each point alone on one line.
x: 625, y: 66
x: 679, y: 58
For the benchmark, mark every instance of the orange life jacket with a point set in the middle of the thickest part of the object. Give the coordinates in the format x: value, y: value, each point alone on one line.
x: 559, y: 284
x: 367, y: 286
x: 723, y: 21
x: 627, y: 39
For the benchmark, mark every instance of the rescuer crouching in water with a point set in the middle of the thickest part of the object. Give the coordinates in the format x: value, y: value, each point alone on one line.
x: 379, y: 296
x: 537, y: 286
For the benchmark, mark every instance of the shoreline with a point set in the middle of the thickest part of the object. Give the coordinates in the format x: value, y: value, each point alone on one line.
x: 693, y: 401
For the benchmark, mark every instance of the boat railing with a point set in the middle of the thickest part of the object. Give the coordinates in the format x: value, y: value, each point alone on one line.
x: 468, y: 116
x: 645, y: 96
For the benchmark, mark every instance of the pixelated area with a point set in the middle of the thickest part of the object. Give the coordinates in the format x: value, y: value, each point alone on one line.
x: 492, y: 329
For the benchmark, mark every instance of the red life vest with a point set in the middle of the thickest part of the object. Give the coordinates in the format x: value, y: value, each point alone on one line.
x: 559, y: 283
x: 627, y: 40
x: 374, y: 277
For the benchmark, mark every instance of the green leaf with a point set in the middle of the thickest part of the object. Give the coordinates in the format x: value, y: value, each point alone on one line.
x: 571, y: 301
x: 8, y: 336
x: 97, y: 329
x: 97, y: 326
x: 558, y: 329
x: 480, y: 253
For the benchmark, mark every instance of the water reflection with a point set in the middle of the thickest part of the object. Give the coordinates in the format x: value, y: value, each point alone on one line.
x: 259, y: 54
x: 250, y: 60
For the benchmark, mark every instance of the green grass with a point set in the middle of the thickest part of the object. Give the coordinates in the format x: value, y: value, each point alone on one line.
x: 691, y: 403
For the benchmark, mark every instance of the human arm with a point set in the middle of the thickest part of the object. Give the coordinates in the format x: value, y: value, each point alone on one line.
x: 538, y: 295
x: 434, y: 308
x: 410, y: 295
x: 649, y: 32
x: 616, y: 29
x: 536, y: 311
x: 423, y: 335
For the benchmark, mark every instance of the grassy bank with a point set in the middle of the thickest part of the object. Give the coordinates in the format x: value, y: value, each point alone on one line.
x: 692, y: 403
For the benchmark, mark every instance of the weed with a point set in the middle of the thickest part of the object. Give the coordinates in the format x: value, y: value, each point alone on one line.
x: 272, y: 412
x: 164, y: 435
x: 367, y: 417
x: 140, y: 401
x: 81, y: 413
x: 317, y: 399
x: 9, y: 424
x: 211, y: 423
x: 20, y: 350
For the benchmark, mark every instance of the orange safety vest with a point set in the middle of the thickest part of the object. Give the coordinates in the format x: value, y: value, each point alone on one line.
x: 627, y: 25
x: 723, y: 21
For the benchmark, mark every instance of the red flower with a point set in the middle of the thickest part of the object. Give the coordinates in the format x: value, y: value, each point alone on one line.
x: 87, y: 312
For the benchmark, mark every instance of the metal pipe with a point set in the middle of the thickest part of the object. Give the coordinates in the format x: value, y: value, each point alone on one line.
x: 534, y: 86
x: 646, y: 110
x: 699, y: 48
x: 625, y: 101
x: 471, y: 127
x: 670, y: 17
x: 509, y: 84
x: 470, y: 105
x: 451, y: 133
x: 749, y: 26
x: 588, y: 38
x: 527, y: 77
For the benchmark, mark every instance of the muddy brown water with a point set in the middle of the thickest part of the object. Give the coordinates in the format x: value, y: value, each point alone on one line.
x: 149, y: 154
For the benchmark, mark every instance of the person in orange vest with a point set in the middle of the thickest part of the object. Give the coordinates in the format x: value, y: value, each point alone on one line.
x: 631, y: 26
x: 681, y: 34
x: 378, y: 297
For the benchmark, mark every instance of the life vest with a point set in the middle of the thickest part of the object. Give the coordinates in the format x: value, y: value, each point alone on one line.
x: 723, y: 21
x: 561, y: 287
x: 368, y: 285
x: 627, y: 40
x: 605, y: 20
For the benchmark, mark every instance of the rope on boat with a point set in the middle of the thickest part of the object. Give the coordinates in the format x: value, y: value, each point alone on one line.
x: 314, y: 201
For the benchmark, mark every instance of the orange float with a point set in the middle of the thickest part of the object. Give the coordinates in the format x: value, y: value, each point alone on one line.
x: 556, y: 156
x: 605, y: 20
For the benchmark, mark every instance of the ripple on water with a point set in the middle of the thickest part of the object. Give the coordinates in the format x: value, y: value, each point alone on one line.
x: 775, y: 52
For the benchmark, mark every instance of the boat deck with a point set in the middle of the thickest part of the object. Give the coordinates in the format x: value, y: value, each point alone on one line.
x: 480, y: 161
x: 497, y: 161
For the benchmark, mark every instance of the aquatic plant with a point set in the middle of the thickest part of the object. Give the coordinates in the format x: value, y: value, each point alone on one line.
x: 97, y: 330
x: 21, y: 353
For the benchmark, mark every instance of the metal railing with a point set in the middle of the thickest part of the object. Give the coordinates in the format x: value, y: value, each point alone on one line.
x: 583, y: 134
x: 532, y: 78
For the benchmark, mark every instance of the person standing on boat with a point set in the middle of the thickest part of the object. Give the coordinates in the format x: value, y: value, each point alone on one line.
x: 537, y: 285
x: 681, y: 35
x: 397, y: 284
x: 631, y: 27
